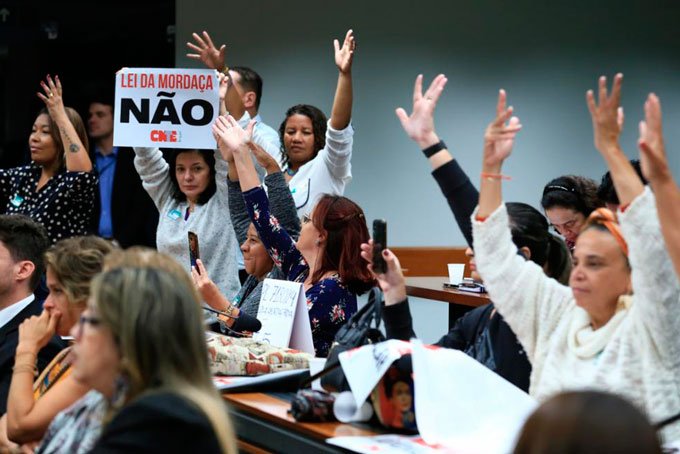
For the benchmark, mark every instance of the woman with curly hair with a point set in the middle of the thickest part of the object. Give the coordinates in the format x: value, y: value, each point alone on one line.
x: 568, y: 201
x: 316, y: 152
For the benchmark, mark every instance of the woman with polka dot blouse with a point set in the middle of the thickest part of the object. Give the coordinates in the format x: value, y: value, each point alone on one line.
x: 58, y: 187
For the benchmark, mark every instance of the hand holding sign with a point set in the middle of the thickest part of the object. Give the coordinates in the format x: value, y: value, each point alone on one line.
x: 231, y: 137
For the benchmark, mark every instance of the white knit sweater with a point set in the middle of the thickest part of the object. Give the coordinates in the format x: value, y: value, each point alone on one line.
x: 641, y: 356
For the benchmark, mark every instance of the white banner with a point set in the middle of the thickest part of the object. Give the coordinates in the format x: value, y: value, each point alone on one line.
x: 463, y: 405
x: 167, y: 108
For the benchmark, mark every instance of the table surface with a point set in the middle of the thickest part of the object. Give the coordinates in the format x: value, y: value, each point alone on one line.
x: 275, y: 410
x: 432, y: 287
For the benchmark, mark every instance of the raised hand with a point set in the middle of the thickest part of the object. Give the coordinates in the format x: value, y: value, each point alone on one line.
x: 391, y: 282
x: 53, y: 96
x: 606, y: 115
x: 345, y: 54
x: 266, y: 161
x: 35, y: 332
x: 419, y: 126
x: 499, y: 136
x: 207, y: 288
x: 231, y: 136
x: 652, y: 150
x: 211, y: 56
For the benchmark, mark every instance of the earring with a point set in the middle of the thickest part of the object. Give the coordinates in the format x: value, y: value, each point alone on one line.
x: 318, y: 242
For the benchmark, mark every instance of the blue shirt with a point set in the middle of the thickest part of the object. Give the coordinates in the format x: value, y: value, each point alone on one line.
x: 106, y: 166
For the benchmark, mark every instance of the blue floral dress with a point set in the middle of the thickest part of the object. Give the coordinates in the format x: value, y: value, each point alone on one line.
x: 329, y: 302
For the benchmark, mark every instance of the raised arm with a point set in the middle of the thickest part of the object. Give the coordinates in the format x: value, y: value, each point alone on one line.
x: 656, y: 169
x: 279, y: 244
x: 607, y: 119
x: 499, y: 138
x: 205, y: 51
x: 76, y: 154
x: 460, y: 193
x: 342, y: 103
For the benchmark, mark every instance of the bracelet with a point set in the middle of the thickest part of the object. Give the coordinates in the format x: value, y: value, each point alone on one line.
x: 20, y: 368
x: 225, y: 70
x: 495, y: 176
x: 432, y: 149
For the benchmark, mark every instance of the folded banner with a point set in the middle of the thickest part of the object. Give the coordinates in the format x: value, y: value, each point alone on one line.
x: 169, y: 108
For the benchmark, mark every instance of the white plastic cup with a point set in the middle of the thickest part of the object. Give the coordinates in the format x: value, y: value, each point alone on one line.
x: 345, y: 409
x: 316, y: 365
x: 456, y: 271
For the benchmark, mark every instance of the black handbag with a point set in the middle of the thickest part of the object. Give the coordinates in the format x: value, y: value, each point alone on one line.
x: 361, y: 329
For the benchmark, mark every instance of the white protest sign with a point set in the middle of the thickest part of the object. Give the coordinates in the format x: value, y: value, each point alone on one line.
x: 365, y: 366
x: 284, y: 316
x: 462, y: 404
x: 170, y: 108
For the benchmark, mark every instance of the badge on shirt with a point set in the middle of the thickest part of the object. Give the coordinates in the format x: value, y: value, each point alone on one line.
x: 17, y: 200
x: 174, y: 214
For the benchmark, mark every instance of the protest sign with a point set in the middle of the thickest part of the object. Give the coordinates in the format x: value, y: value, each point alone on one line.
x: 284, y: 316
x: 169, y: 108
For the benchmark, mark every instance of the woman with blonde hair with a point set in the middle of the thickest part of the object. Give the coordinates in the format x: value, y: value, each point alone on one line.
x: 141, y: 344
x: 71, y: 264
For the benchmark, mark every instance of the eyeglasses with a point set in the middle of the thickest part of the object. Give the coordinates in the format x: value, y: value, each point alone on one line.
x: 92, y: 321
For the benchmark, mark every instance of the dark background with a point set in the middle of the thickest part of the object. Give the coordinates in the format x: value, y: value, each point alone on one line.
x: 85, y: 43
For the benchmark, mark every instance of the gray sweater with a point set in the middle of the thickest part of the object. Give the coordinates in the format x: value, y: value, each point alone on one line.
x: 210, y: 221
x: 283, y: 208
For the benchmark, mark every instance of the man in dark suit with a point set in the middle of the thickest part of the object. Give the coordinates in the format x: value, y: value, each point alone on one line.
x: 123, y: 210
x: 22, y: 245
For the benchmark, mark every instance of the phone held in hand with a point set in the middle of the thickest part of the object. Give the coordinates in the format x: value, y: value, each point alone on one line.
x: 379, y: 245
x: 194, y: 253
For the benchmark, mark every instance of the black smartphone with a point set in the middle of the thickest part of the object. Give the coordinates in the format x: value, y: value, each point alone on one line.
x: 194, y: 253
x: 379, y: 244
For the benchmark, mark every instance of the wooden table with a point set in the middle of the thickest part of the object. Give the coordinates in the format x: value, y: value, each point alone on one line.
x: 432, y: 287
x: 263, y: 425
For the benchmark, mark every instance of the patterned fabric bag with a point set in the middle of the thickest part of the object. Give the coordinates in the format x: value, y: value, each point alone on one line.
x: 246, y: 356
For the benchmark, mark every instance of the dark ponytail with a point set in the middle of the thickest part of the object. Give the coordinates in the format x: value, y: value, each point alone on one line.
x: 530, y: 229
x: 559, y: 260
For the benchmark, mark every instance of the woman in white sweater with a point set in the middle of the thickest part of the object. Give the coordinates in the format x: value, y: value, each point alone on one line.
x: 594, y: 333
x: 316, y: 152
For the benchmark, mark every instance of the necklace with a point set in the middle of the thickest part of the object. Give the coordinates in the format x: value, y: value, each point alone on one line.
x: 291, y: 172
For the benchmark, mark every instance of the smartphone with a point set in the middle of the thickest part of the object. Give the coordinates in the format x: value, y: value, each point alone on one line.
x: 379, y: 245
x: 194, y: 253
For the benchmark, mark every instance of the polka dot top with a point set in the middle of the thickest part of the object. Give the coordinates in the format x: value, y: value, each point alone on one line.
x: 64, y: 205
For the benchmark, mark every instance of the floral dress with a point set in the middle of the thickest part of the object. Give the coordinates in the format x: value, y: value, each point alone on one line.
x: 329, y: 302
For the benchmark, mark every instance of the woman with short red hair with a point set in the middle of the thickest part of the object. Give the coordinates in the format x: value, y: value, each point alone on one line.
x: 325, y: 259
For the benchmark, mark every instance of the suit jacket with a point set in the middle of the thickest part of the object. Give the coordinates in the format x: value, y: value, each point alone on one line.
x: 9, y: 338
x: 134, y: 215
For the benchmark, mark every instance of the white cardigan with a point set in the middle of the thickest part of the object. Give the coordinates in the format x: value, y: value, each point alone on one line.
x: 641, y: 357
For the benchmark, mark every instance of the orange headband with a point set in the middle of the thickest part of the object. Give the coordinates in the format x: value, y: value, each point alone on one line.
x: 606, y: 218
